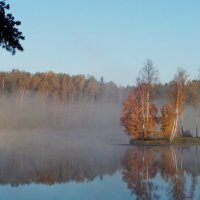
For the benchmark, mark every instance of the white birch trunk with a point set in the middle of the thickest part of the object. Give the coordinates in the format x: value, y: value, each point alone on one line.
x: 175, y: 126
x: 176, y: 118
x: 174, y: 131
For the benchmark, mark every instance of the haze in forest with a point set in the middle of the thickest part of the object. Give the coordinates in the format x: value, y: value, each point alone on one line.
x: 51, y: 101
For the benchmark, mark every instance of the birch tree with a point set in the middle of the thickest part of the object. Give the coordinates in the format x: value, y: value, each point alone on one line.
x: 148, y: 77
x: 140, y: 117
x: 178, y: 97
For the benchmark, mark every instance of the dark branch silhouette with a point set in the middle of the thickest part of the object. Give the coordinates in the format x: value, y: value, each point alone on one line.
x: 10, y: 36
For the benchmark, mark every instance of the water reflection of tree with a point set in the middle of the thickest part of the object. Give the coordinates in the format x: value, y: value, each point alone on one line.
x: 138, y: 170
x: 142, y: 165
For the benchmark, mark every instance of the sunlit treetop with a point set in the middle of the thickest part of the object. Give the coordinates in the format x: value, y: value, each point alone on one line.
x: 10, y: 36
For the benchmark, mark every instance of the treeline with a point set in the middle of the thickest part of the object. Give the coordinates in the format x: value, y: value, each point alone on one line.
x: 146, y: 117
x: 62, y: 87
x: 66, y: 88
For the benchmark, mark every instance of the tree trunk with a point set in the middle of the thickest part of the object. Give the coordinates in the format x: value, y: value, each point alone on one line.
x: 176, y: 118
x: 182, y: 131
x: 147, y: 114
x: 196, y: 114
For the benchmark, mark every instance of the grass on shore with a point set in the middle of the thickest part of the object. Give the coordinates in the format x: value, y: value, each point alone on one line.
x: 176, y: 140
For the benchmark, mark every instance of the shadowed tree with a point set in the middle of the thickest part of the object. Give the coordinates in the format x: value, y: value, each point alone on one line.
x: 10, y: 36
x: 193, y: 87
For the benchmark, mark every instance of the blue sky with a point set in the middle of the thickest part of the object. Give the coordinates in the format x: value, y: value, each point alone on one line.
x: 109, y: 38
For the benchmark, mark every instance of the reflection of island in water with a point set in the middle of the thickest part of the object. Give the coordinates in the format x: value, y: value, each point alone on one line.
x: 168, y: 172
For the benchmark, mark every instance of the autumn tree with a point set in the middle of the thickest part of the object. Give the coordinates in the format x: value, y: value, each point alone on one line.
x: 166, y: 120
x: 10, y: 36
x: 132, y: 119
x: 193, y: 87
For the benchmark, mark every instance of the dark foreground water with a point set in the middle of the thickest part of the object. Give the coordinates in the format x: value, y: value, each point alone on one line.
x: 58, y: 166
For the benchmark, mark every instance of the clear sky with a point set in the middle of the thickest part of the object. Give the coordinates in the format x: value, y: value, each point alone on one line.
x: 109, y: 38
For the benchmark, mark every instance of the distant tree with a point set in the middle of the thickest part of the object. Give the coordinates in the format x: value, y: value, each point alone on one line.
x: 22, y: 81
x: 193, y: 87
x: 102, y: 88
x: 10, y: 36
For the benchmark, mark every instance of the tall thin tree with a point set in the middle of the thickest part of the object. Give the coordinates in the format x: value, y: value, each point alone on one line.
x: 178, y: 98
x: 147, y: 79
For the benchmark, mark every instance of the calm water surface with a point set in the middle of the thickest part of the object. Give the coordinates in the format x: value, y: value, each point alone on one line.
x: 49, y: 166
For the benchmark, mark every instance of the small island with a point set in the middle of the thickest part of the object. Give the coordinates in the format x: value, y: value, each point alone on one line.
x: 181, y: 140
x: 150, y: 119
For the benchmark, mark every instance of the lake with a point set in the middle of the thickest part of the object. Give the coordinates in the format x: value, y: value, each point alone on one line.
x: 43, y: 165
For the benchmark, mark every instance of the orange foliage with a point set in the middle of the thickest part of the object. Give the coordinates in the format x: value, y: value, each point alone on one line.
x: 167, y: 118
x: 133, y: 118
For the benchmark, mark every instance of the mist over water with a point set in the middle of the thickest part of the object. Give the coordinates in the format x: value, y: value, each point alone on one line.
x: 82, y: 144
x: 58, y: 143
x: 55, y: 142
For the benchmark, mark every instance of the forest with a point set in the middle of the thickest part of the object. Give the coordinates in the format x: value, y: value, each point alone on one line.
x: 156, y: 111
x: 59, y: 87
